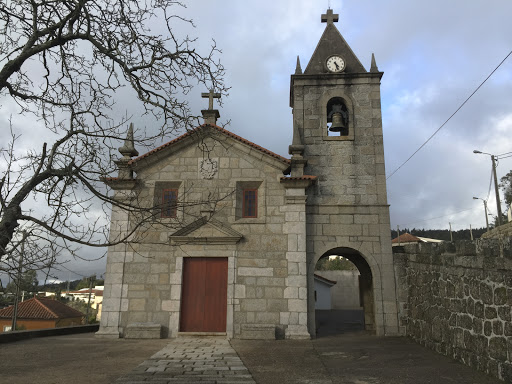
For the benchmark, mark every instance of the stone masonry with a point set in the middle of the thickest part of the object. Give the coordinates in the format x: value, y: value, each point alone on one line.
x: 456, y: 298
x: 346, y: 212
x: 192, y: 360
x: 328, y: 199
x: 144, y: 279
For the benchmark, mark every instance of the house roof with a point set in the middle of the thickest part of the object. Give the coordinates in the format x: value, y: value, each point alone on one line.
x: 97, y: 292
x: 40, y: 308
x: 408, y: 238
x: 215, y: 128
x: 324, y: 279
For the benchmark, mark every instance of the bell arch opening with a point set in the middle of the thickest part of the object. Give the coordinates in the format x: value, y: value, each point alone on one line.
x: 345, y: 275
x: 337, y: 117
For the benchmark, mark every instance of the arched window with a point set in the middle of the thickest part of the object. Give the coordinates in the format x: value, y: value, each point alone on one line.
x: 337, y: 117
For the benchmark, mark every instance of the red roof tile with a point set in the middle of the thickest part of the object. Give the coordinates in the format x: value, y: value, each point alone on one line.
x: 42, y: 309
x: 222, y: 130
x: 406, y: 238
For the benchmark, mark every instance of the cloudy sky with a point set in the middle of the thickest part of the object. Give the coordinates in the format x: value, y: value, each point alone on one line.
x: 433, y: 54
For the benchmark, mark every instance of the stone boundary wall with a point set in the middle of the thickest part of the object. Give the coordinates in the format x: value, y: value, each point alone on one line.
x: 8, y: 337
x: 504, y: 230
x: 456, y: 298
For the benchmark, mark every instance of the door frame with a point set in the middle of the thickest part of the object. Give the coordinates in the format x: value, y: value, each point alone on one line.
x: 176, y: 287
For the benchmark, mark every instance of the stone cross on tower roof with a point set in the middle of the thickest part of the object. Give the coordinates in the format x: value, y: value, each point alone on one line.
x: 211, y: 95
x: 330, y: 17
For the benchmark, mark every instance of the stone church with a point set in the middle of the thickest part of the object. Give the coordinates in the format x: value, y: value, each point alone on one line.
x: 235, y: 230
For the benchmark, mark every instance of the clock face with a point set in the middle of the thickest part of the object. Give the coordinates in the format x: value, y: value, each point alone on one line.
x: 335, y: 64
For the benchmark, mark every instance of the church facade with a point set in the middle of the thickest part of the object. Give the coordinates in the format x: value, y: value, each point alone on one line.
x: 225, y: 235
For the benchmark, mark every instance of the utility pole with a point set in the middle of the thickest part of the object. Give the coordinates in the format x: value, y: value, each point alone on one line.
x: 18, y: 281
x: 451, y: 236
x: 471, y: 232
x: 485, y: 209
x: 486, y: 215
x: 496, y: 189
x: 398, y: 233
x: 67, y: 285
x: 88, y: 301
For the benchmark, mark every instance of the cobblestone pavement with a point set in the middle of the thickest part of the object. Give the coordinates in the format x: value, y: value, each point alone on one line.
x: 205, y: 360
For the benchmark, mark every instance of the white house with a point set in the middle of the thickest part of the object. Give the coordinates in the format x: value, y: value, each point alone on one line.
x: 323, y: 292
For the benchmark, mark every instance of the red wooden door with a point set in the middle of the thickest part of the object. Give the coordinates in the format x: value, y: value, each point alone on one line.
x: 204, y: 294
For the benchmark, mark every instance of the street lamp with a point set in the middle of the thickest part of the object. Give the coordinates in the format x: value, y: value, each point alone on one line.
x: 498, y: 205
x: 485, y: 208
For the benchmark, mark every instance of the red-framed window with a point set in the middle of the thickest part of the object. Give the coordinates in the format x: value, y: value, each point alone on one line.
x: 169, y: 202
x: 249, y: 202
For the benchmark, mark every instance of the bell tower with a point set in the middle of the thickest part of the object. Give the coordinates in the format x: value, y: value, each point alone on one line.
x: 337, y: 137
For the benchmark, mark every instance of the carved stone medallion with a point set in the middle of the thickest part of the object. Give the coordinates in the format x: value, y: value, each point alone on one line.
x: 208, y: 168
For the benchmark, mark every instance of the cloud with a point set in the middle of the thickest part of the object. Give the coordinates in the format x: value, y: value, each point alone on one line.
x: 434, y: 55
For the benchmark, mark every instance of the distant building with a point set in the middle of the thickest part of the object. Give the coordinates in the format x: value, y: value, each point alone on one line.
x: 345, y: 294
x: 407, y: 238
x: 83, y: 295
x: 40, y: 313
x: 323, y: 292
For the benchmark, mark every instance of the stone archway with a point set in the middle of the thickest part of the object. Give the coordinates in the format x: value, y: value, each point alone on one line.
x: 366, y: 285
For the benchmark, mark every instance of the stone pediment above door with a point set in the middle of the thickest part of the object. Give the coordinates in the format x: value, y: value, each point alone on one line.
x: 205, y: 231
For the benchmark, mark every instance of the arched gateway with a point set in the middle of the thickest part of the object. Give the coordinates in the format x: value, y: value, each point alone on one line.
x: 365, y: 287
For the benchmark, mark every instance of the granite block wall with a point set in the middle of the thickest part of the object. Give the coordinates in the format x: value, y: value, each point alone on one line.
x: 266, y: 283
x: 456, y: 298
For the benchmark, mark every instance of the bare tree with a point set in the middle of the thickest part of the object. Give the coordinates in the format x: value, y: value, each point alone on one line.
x: 63, y: 62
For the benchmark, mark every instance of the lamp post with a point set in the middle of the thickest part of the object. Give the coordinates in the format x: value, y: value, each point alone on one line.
x: 498, y: 205
x: 485, y: 208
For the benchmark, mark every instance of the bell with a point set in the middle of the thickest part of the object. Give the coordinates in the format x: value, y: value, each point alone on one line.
x: 338, y: 125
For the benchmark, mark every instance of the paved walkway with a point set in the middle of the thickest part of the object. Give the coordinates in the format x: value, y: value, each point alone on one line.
x: 192, y: 360
x: 350, y: 358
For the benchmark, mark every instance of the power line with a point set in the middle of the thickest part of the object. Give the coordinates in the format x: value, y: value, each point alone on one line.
x: 438, y: 217
x: 453, y: 114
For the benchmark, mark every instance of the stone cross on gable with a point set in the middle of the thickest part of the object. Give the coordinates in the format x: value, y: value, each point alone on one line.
x: 330, y: 17
x: 210, y: 95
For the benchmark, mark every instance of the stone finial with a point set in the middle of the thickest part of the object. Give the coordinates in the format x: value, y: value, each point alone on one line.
x: 128, y: 149
x: 298, y: 69
x: 330, y: 17
x: 210, y: 116
x: 373, y: 67
x: 297, y: 151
